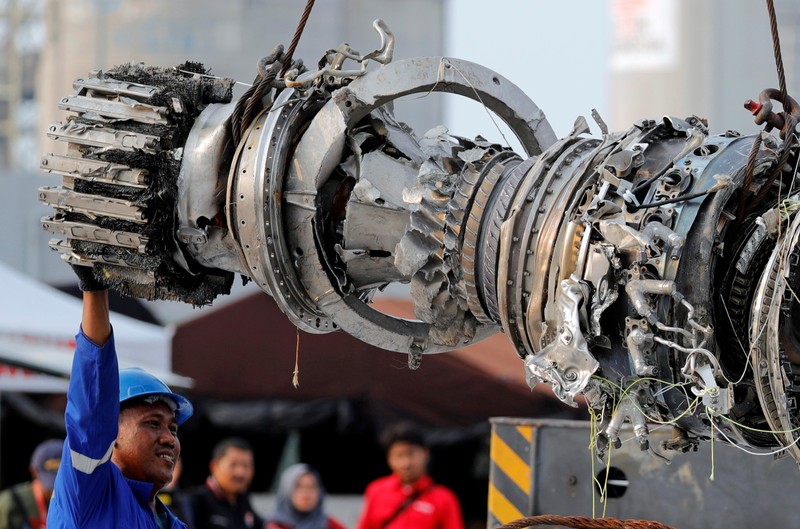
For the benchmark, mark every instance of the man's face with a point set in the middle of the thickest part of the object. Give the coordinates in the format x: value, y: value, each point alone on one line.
x: 147, y: 446
x: 234, y: 470
x: 407, y: 461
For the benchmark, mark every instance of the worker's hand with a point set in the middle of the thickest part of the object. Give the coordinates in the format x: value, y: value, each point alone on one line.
x: 87, y: 282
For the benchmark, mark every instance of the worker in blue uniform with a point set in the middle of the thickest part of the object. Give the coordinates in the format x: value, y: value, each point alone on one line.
x: 122, y: 426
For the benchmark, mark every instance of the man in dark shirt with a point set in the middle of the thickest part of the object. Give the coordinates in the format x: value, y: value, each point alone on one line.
x: 223, y: 500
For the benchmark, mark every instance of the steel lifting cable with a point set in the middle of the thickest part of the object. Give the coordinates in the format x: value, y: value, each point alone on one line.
x: 748, y: 176
x: 582, y: 522
x: 287, y: 60
x: 776, y: 48
x: 751, y: 159
x: 249, y: 105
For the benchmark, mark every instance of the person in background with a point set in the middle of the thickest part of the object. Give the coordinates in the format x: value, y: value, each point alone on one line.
x: 408, y: 498
x: 122, y: 433
x: 301, y: 501
x: 24, y: 506
x: 223, y: 500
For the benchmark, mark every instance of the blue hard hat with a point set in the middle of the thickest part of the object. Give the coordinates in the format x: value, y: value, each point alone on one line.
x: 135, y: 382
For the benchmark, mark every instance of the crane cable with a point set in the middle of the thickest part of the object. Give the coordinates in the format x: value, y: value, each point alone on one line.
x: 250, y: 103
x: 751, y: 159
x: 287, y: 59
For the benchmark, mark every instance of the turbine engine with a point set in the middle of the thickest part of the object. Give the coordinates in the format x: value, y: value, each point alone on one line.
x: 652, y: 271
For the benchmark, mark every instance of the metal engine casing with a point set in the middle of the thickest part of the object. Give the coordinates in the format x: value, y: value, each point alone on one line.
x: 628, y: 269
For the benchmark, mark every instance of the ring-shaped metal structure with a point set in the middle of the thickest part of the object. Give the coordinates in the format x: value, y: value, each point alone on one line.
x: 320, y: 151
x: 256, y: 208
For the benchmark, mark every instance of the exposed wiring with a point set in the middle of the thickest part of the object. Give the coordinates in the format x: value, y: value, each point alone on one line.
x: 748, y: 352
x: 750, y: 428
x: 486, y: 108
x: 680, y: 198
x: 692, y: 406
x: 210, y: 76
x: 745, y: 450
x: 711, y: 477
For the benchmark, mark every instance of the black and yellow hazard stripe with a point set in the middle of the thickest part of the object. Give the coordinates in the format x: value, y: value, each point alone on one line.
x: 510, y: 477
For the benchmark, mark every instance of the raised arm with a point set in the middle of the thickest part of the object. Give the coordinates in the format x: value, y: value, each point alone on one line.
x: 95, y: 322
x: 92, y: 412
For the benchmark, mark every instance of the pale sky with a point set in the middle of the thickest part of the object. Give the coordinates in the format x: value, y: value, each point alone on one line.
x: 557, y: 52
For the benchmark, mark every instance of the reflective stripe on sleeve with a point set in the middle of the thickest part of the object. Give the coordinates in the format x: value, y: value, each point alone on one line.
x: 86, y: 464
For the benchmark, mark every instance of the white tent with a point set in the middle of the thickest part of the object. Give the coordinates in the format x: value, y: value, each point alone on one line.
x: 37, y: 329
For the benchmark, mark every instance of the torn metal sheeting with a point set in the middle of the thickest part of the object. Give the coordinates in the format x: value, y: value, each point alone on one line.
x: 89, y: 232
x: 94, y: 170
x: 101, y: 136
x: 124, y: 108
x: 91, y: 205
x: 112, y: 86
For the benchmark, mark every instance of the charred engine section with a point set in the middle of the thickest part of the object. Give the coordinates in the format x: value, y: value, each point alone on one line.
x: 117, y: 208
x: 653, y: 271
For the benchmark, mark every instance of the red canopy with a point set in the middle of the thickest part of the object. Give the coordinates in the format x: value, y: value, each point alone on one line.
x: 246, y: 350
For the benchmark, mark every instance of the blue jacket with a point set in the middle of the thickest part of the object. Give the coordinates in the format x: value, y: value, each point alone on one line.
x: 90, y: 490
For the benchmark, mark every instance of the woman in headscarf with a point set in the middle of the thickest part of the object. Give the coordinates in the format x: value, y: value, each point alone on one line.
x: 300, y: 502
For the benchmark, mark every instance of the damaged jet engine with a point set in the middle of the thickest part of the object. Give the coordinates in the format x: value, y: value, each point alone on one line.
x: 653, y: 271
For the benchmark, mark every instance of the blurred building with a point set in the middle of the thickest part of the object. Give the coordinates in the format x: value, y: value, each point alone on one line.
x: 21, y: 38
x: 683, y: 57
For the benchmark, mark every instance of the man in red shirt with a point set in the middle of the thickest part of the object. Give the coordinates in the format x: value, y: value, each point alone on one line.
x: 408, y: 498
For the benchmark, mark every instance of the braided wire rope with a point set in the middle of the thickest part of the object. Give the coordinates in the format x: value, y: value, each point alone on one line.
x: 778, y: 167
x: 748, y: 176
x: 287, y: 60
x: 582, y: 522
x: 776, y: 48
x: 250, y: 104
